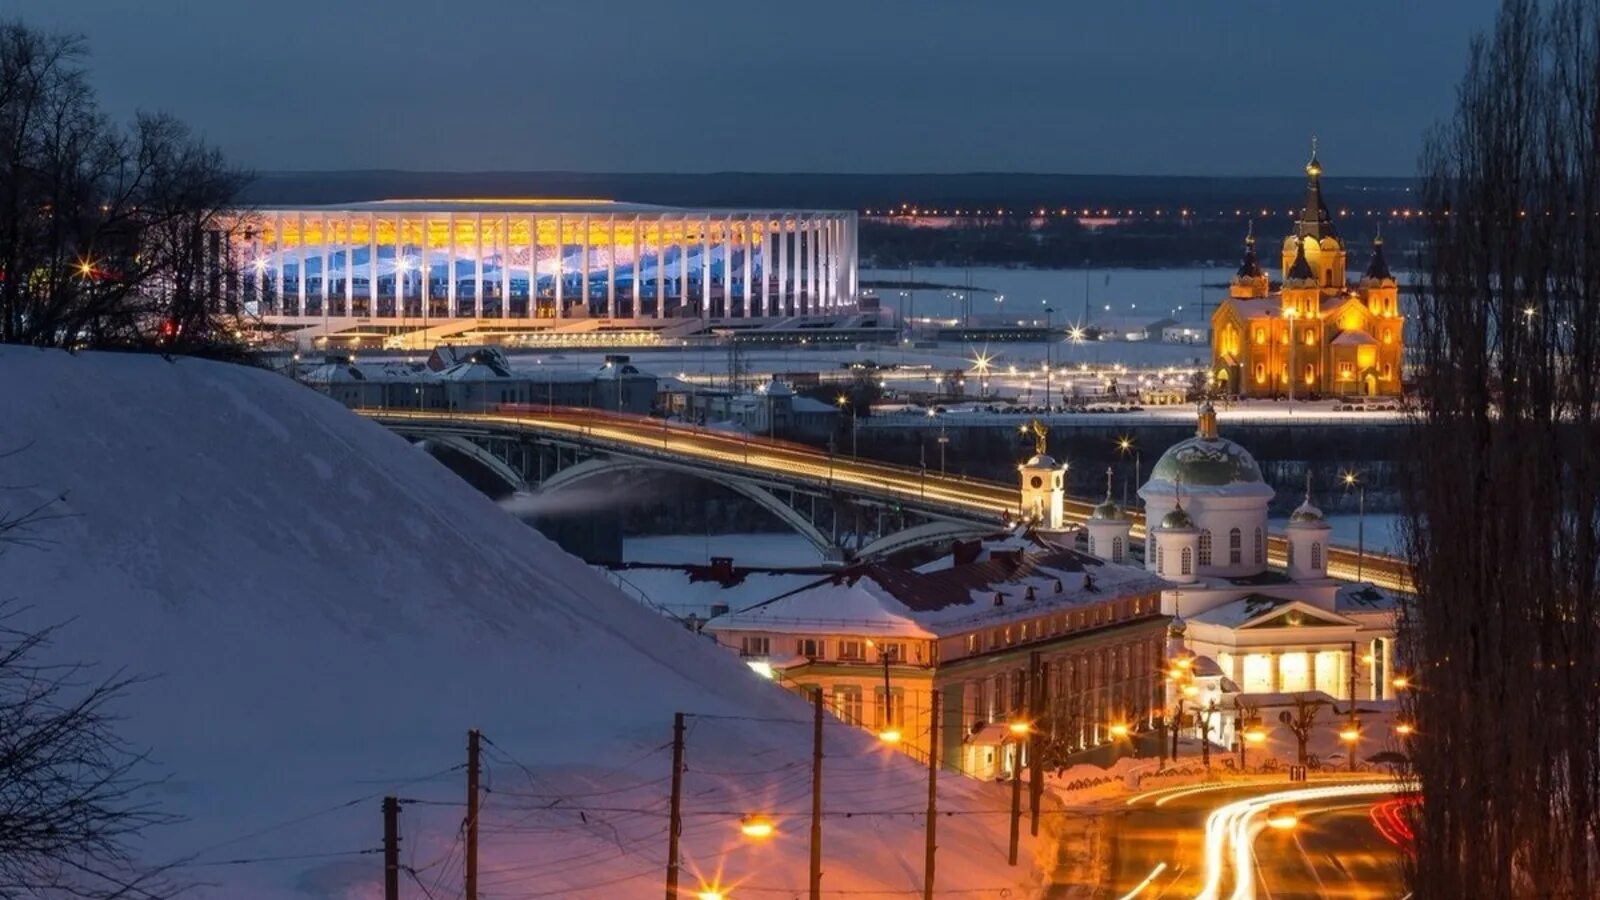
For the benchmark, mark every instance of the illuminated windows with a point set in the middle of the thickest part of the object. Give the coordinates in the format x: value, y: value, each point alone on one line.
x: 1205, y: 547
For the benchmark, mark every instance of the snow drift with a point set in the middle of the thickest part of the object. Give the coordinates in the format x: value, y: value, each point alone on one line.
x: 325, y: 611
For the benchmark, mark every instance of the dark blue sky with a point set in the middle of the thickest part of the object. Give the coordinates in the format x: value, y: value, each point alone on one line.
x: 1232, y: 87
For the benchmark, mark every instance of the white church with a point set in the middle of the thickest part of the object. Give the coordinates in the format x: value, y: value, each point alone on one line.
x: 1238, y: 625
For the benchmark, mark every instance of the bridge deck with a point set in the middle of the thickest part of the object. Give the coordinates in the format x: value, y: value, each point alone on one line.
x: 799, y: 465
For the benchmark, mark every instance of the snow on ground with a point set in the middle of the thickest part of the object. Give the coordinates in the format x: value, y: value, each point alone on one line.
x: 325, y: 611
x: 672, y: 591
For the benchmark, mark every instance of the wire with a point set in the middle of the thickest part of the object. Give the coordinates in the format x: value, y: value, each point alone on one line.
x: 284, y: 858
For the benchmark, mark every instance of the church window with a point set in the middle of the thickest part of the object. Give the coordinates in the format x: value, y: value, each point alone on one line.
x: 1388, y: 371
x: 1316, y: 556
x: 1205, y: 547
x: 1235, y: 546
x: 1261, y: 548
x: 1310, y: 336
x: 1327, y: 278
x: 1261, y: 335
x: 1388, y: 335
x: 1116, y: 549
x: 1347, y: 370
x: 1261, y: 372
x: 1161, y: 559
x: 1311, y: 373
x: 1091, y: 546
x: 1187, y: 561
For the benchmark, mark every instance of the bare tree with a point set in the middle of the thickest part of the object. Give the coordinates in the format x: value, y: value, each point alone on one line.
x: 1502, y: 519
x: 1302, y: 722
x: 72, y: 793
x: 109, y: 236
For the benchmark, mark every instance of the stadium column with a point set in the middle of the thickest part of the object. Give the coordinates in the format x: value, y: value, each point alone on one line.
x: 748, y: 243
x: 300, y: 272
x: 450, y: 270
x: 637, y: 312
x: 815, y: 239
x: 783, y: 264
x: 661, y: 270
x: 424, y: 273
x: 349, y: 266
x: 325, y: 250
x: 399, y: 273
x: 277, y: 253
x: 836, y: 240
x: 683, y: 262
x: 766, y: 263
x: 583, y: 267
x: 372, y: 265
x: 258, y: 272
x: 853, y: 258
x: 505, y: 267
x: 561, y: 266
x: 611, y: 266
x: 533, y: 267
x: 477, y: 265
x: 705, y: 268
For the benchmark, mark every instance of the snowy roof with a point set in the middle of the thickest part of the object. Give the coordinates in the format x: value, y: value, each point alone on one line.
x: 471, y: 371
x: 1355, y: 599
x: 1252, y: 309
x: 808, y: 405
x: 948, y: 600
x: 1207, y: 465
x: 1255, y: 608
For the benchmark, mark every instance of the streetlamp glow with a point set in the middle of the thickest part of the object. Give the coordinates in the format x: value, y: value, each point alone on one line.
x: 1255, y: 734
x: 1401, y: 682
x: 889, y: 736
x: 711, y: 893
x: 1350, y: 734
x: 1019, y: 728
x: 757, y: 827
x: 1119, y: 730
x: 1403, y: 729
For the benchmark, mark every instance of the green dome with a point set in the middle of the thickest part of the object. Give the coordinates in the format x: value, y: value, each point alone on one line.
x: 1106, y: 510
x: 1306, y: 514
x: 1206, y: 462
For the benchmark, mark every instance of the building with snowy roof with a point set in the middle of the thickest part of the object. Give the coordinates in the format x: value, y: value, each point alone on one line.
x: 1317, y: 335
x: 1260, y: 630
x: 881, y: 640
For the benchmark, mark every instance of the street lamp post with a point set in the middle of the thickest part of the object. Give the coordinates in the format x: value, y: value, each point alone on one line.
x: 1351, y: 479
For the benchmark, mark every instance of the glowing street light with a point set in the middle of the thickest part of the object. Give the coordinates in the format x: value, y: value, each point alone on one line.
x: 1019, y: 728
x: 1119, y: 730
x: 711, y: 893
x: 889, y: 736
x: 1350, y: 734
x: 1255, y: 734
x: 1403, y: 729
x: 1401, y: 682
x: 758, y: 827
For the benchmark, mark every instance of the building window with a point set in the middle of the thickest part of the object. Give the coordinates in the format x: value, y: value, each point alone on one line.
x: 1316, y: 555
x: 1235, y: 547
x: 1261, y: 548
x: 1161, y: 559
x: 1019, y: 689
x: 895, y: 652
x: 1261, y: 372
x: 1205, y: 547
x: 850, y: 650
x: 1261, y: 335
x: 1186, y: 560
x: 810, y: 648
x: 847, y: 703
x: 1116, y: 549
x: 1388, y: 371
x: 974, y: 643
x: 1311, y: 373
x: 754, y: 646
x: 1388, y: 335
x: 1291, y: 553
x: 1347, y: 370
x: 1091, y: 546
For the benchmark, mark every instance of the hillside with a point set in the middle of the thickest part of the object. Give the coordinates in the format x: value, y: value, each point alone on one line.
x: 325, y: 611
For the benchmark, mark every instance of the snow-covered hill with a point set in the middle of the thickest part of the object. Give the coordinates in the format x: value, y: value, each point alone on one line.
x: 326, y: 611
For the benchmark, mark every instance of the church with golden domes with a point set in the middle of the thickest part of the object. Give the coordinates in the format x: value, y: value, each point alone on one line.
x: 1318, y: 335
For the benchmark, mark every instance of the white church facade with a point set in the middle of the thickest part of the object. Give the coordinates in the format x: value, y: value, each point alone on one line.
x: 1237, y: 624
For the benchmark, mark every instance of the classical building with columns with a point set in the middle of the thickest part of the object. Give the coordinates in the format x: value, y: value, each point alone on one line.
x: 1246, y: 627
x: 415, y: 272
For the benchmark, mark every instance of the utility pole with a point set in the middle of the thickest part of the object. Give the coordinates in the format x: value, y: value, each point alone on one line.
x: 391, y: 848
x: 675, y: 819
x: 1016, y: 801
x: 1035, y: 771
x: 473, y: 737
x: 816, y: 794
x: 933, y: 799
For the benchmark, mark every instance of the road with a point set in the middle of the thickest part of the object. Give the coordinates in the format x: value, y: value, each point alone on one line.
x: 1213, y: 842
x: 783, y: 461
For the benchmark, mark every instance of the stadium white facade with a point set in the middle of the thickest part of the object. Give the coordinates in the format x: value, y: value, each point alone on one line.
x: 413, y: 272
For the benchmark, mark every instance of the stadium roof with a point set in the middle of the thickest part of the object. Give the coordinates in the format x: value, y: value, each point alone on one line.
x: 498, y: 205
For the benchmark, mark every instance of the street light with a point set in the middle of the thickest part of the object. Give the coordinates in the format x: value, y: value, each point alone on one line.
x: 844, y: 403
x: 1403, y: 729
x: 1124, y: 446
x: 1352, y: 480
x: 1351, y: 735
x: 757, y: 827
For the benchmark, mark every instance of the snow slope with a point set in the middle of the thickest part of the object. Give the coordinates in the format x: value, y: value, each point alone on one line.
x: 325, y: 611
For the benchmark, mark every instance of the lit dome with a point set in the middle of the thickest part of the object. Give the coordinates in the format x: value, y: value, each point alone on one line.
x: 1307, y: 514
x: 1202, y: 462
x: 1040, y: 461
x: 1106, y: 511
x: 1177, y: 627
x: 1176, y: 520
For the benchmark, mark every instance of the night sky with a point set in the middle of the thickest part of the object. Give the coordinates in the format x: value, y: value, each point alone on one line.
x: 1131, y: 87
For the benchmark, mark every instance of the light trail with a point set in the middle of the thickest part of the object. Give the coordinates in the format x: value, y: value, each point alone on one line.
x: 1234, y: 826
x: 1139, y: 888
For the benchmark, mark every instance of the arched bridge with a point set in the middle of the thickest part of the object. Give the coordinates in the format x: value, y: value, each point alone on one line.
x: 770, y: 472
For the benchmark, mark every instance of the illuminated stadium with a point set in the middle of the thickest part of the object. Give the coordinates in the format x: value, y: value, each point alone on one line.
x: 410, y: 273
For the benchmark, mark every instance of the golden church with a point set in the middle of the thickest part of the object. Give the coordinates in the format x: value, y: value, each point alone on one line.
x: 1318, y: 335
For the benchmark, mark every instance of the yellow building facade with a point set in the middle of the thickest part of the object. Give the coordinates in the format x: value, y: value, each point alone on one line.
x: 1318, y: 335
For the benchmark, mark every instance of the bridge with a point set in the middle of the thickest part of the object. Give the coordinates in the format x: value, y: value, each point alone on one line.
x: 778, y: 475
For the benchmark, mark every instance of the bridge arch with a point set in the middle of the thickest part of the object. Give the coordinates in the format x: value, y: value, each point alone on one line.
x: 494, y: 464
x: 593, y: 468
x: 922, y: 536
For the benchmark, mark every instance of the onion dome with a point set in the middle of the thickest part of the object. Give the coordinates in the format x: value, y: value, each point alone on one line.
x: 1177, y: 627
x: 1307, y: 515
x: 1107, y: 510
x: 1314, y: 218
x: 1177, y: 520
x: 1041, y: 461
x: 1249, y: 267
x: 1208, y: 462
x: 1378, y: 269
